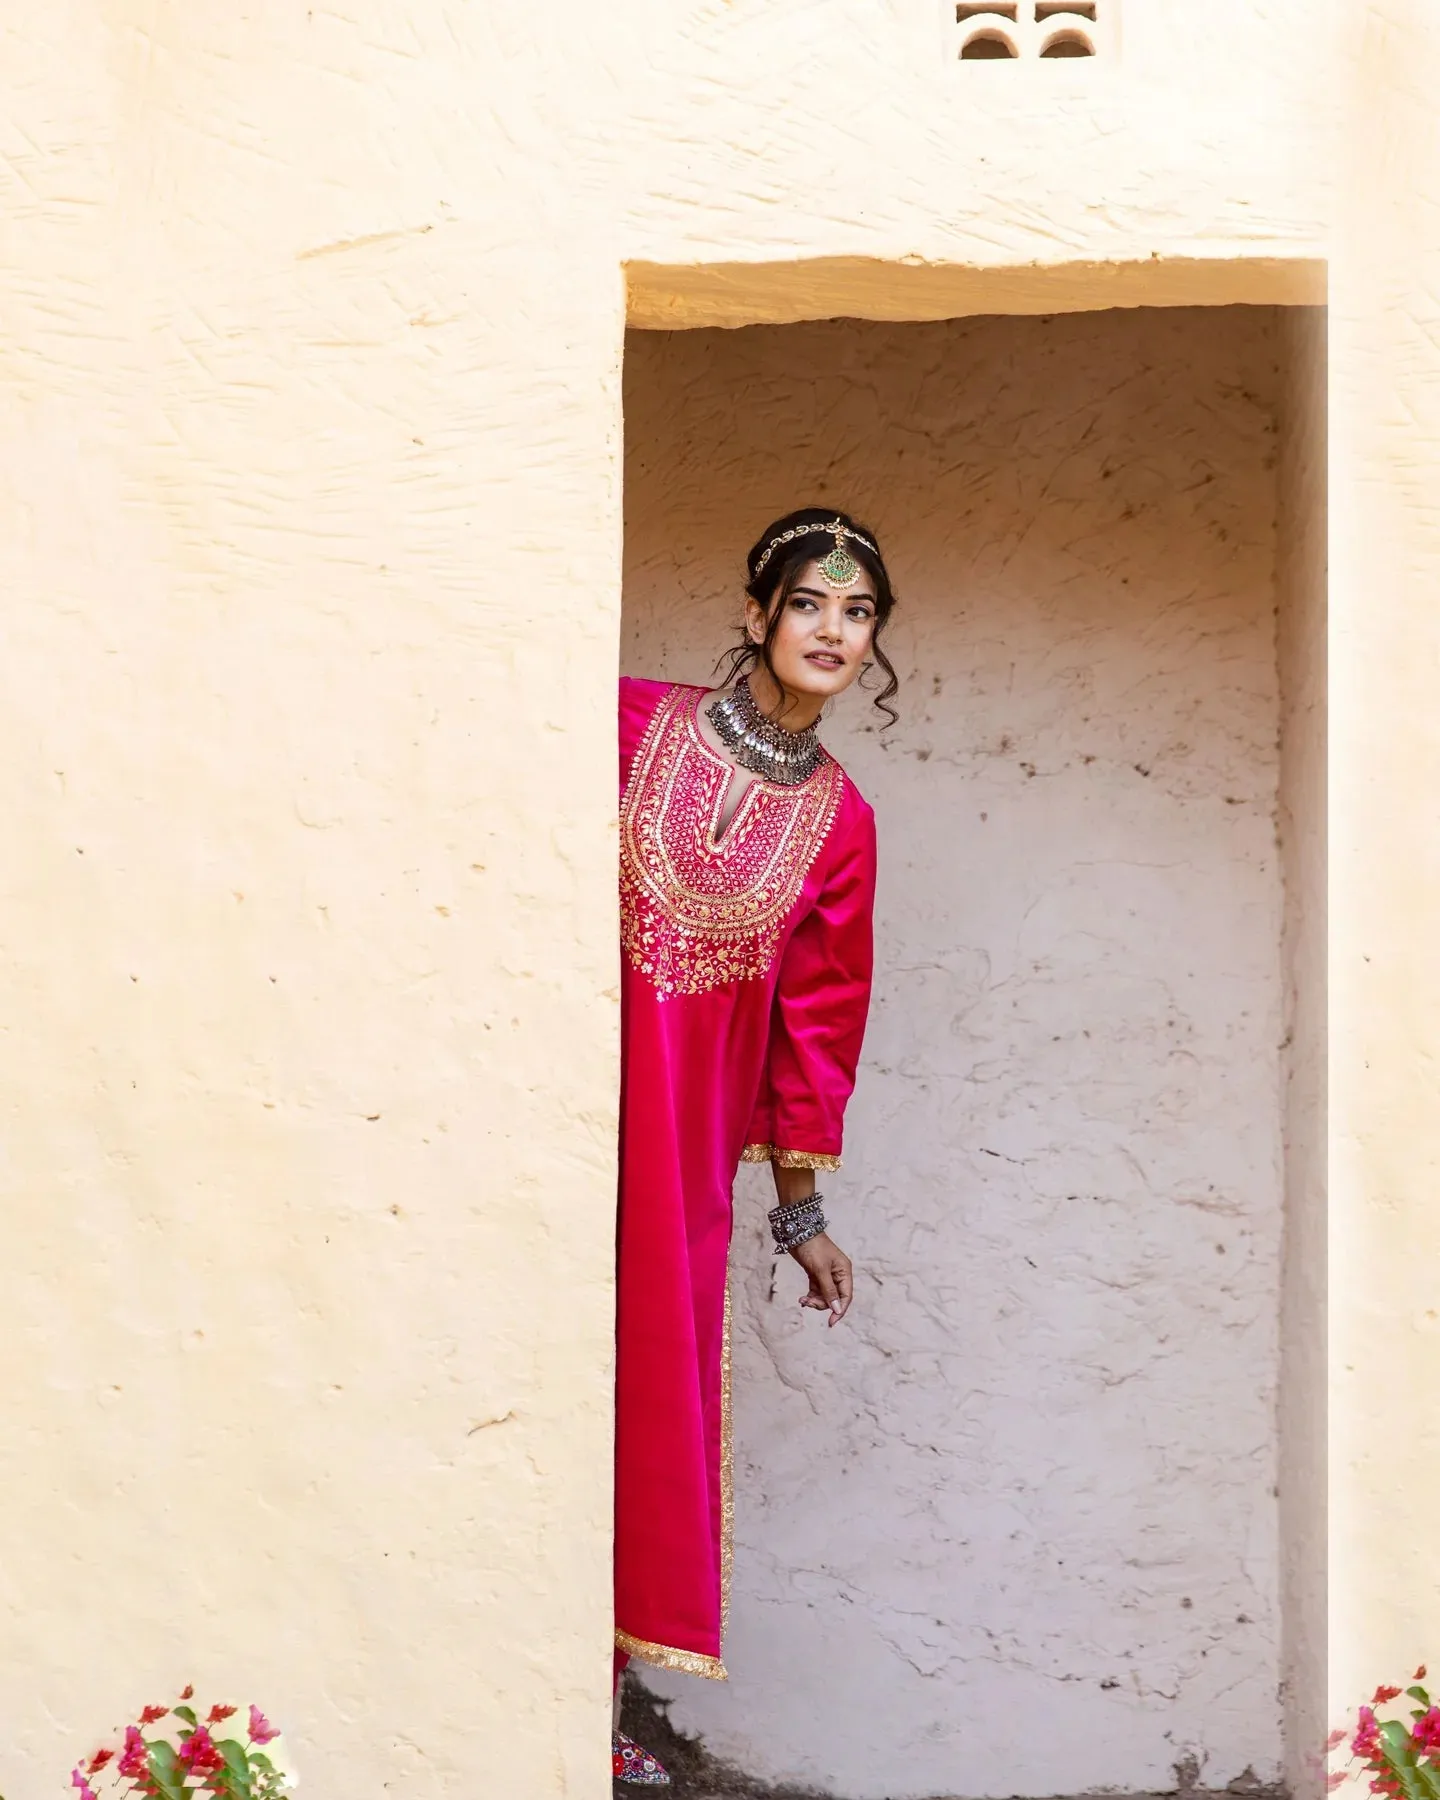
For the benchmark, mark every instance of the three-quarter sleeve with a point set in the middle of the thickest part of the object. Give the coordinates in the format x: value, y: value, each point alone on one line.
x: 817, y: 1022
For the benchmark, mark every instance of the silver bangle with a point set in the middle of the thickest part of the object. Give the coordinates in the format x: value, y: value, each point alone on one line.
x: 793, y: 1225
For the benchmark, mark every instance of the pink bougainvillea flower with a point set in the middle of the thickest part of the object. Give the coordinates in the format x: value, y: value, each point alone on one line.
x: 1336, y: 1778
x: 134, y: 1758
x: 1426, y: 1732
x: 1366, y: 1741
x: 78, y: 1780
x: 1384, y: 1694
x: 261, y: 1730
x: 198, y: 1753
x: 188, y: 1691
x: 218, y: 1714
x: 1335, y: 1739
x: 152, y: 1713
x: 99, y: 1760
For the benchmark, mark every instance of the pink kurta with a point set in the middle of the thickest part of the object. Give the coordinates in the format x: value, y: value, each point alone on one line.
x: 745, y: 985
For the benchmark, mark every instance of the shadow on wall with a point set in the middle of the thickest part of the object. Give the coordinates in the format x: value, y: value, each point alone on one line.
x: 697, y: 1775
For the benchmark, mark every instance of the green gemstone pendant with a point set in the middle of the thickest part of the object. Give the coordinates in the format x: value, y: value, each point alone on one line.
x: 839, y: 568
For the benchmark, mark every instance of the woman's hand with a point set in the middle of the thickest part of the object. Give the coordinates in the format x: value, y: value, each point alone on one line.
x: 832, y: 1281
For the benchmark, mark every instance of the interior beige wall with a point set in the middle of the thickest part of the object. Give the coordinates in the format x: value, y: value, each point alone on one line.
x: 1035, y: 1474
x: 1301, y: 580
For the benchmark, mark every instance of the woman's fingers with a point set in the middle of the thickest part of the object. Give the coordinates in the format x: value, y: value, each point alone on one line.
x: 831, y: 1278
x: 844, y: 1290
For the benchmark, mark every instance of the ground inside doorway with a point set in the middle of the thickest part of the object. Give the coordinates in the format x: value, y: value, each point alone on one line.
x: 697, y: 1775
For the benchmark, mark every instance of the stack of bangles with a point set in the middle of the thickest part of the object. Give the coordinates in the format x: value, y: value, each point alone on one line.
x: 794, y: 1225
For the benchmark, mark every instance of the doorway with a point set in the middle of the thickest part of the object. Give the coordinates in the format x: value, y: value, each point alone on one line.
x: 1015, y: 1529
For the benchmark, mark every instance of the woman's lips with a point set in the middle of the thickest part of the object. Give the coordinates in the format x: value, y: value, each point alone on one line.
x: 825, y: 659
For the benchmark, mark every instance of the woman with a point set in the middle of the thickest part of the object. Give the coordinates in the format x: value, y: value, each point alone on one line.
x: 747, y: 874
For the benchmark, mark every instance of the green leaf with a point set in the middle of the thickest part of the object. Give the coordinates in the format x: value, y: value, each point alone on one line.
x: 1409, y: 1783
x: 237, y: 1774
x: 187, y: 1713
x: 1429, y: 1779
x: 166, y: 1772
x: 1418, y: 1693
x: 1398, y: 1754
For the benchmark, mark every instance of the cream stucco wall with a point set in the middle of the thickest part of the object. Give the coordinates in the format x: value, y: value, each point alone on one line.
x: 311, y: 536
x: 308, y: 1059
x: 1037, y: 1477
x: 1384, y: 1339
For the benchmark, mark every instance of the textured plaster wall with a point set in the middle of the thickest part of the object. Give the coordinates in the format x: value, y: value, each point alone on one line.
x: 310, y: 528
x: 1384, y: 1351
x: 1035, y: 1479
x: 766, y: 132
x: 309, y: 1030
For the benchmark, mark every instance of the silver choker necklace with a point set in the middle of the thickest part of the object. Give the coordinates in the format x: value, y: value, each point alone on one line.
x: 759, y: 744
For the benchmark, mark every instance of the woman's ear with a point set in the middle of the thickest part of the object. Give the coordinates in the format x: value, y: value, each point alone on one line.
x: 754, y: 621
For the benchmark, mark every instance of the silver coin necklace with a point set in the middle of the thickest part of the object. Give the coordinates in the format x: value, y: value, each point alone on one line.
x: 758, y: 744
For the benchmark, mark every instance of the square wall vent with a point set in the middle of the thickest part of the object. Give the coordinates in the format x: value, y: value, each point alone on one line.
x: 1030, y: 30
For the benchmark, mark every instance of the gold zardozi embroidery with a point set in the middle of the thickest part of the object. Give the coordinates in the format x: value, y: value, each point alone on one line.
x: 727, y: 1473
x: 697, y: 910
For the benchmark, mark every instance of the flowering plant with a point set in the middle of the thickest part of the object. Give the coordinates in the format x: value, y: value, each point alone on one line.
x: 195, y: 1762
x: 1402, y: 1761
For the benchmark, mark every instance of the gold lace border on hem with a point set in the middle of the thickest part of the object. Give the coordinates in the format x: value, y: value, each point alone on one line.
x: 789, y: 1159
x: 663, y: 1656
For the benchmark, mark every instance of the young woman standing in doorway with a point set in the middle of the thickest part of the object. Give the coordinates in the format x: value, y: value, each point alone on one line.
x: 747, y: 877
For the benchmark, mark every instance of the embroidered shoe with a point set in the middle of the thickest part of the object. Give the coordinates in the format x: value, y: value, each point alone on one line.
x: 635, y: 1765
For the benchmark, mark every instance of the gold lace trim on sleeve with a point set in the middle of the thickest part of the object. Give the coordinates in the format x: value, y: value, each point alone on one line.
x: 789, y: 1159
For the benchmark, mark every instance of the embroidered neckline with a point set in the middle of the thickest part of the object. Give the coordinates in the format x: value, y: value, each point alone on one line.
x: 699, y: 911
x: 731, y: 770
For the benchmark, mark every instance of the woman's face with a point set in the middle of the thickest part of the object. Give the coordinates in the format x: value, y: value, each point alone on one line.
x: 823, y: 638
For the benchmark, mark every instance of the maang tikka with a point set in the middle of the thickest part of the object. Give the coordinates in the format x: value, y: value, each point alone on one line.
x: 838, y: 567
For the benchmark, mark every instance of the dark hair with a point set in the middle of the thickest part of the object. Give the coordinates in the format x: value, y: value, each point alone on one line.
x: 772, y: 584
